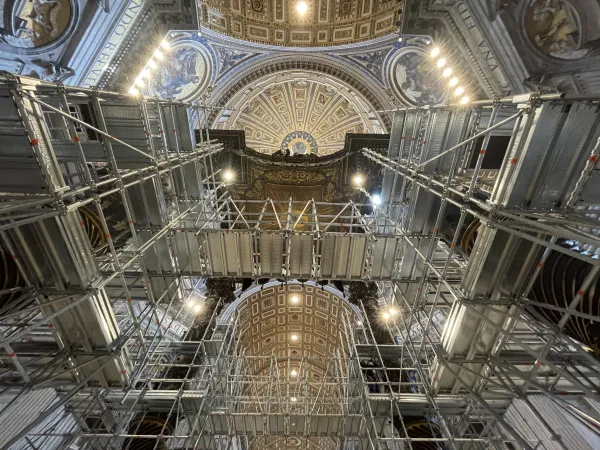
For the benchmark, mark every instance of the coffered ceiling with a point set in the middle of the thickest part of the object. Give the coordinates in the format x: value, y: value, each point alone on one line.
x: 300, y: 327
x: 300, y: 111
x: 325, y: 23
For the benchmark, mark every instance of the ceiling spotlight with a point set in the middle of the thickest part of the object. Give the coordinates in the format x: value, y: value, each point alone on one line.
x: 158, y: 55
x: 453, y: 82
x: 427, y: 42
x: 293, y: 373
x: 441, y: 62
x: 139, y: 82
x: 228, y: 175
x: 359, y: 323
x: 294, y: 337
x: 293, y: 399
x: 302, y: 7
x: 393, y: 311
x: 447, y: 72
x: 295, y: 299
x: 464, y: 100
x: 191, y: 302
x: 435, y: 52
x: 459, y: 91
x: 358, y: 180
x: 152, y: 64
x: 386, y: 316
x: 134, y: 91
x: 376, y: 199
x: 165, y: 45
x: 400, y: 39
x: 197, y: 308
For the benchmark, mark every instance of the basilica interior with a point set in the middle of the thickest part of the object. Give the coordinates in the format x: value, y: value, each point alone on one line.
x: 299, y: 224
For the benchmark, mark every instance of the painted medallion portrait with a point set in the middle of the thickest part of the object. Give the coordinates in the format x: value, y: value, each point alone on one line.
x: 414, y: 77
x: 182, y: 72
x: 563, y: 29
x: 38, y: 22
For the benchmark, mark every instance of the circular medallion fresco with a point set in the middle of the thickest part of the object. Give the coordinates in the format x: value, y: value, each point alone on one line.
x: 37, y: 23
x: 414, y: 77
x: 299, y: 143
x: 181, y: 74
x: 561, y: 28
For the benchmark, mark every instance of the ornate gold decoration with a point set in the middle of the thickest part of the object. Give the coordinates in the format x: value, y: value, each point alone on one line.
x: 268, y: 319
x: 311, y: 107
x: 327, y: 22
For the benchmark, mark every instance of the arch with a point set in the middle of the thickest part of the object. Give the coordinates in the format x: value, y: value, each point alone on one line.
x: 227, y: 313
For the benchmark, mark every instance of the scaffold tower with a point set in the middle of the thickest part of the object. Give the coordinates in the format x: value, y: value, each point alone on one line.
x: 117, y: 222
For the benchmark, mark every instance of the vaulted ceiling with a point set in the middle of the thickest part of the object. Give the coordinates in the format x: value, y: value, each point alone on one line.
x: 300, y: 326
x: 326, y: 22
x: 296, y: 336
x: 303, y: 112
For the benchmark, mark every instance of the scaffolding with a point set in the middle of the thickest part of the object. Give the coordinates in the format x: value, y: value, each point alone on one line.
x: 114, y: 216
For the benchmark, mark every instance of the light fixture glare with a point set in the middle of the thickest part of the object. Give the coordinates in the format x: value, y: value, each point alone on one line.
x: 459, y: 91
x: 301, y: 7
x: 435, y: 52
x: 453, y: 82
x: 441, y: 62
x: 447, y: 72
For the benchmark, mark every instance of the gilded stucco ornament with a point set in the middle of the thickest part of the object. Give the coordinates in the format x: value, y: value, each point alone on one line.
x: 325, y: 23
x: 299, y: 113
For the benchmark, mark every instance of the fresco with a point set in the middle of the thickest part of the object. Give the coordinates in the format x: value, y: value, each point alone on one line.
x: 38, y: 22
x: 414, y: 78
x: 182, y: 73
x: 563, y: 29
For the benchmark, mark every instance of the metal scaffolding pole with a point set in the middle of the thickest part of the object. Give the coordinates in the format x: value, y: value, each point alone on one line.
x: 111, y: 328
